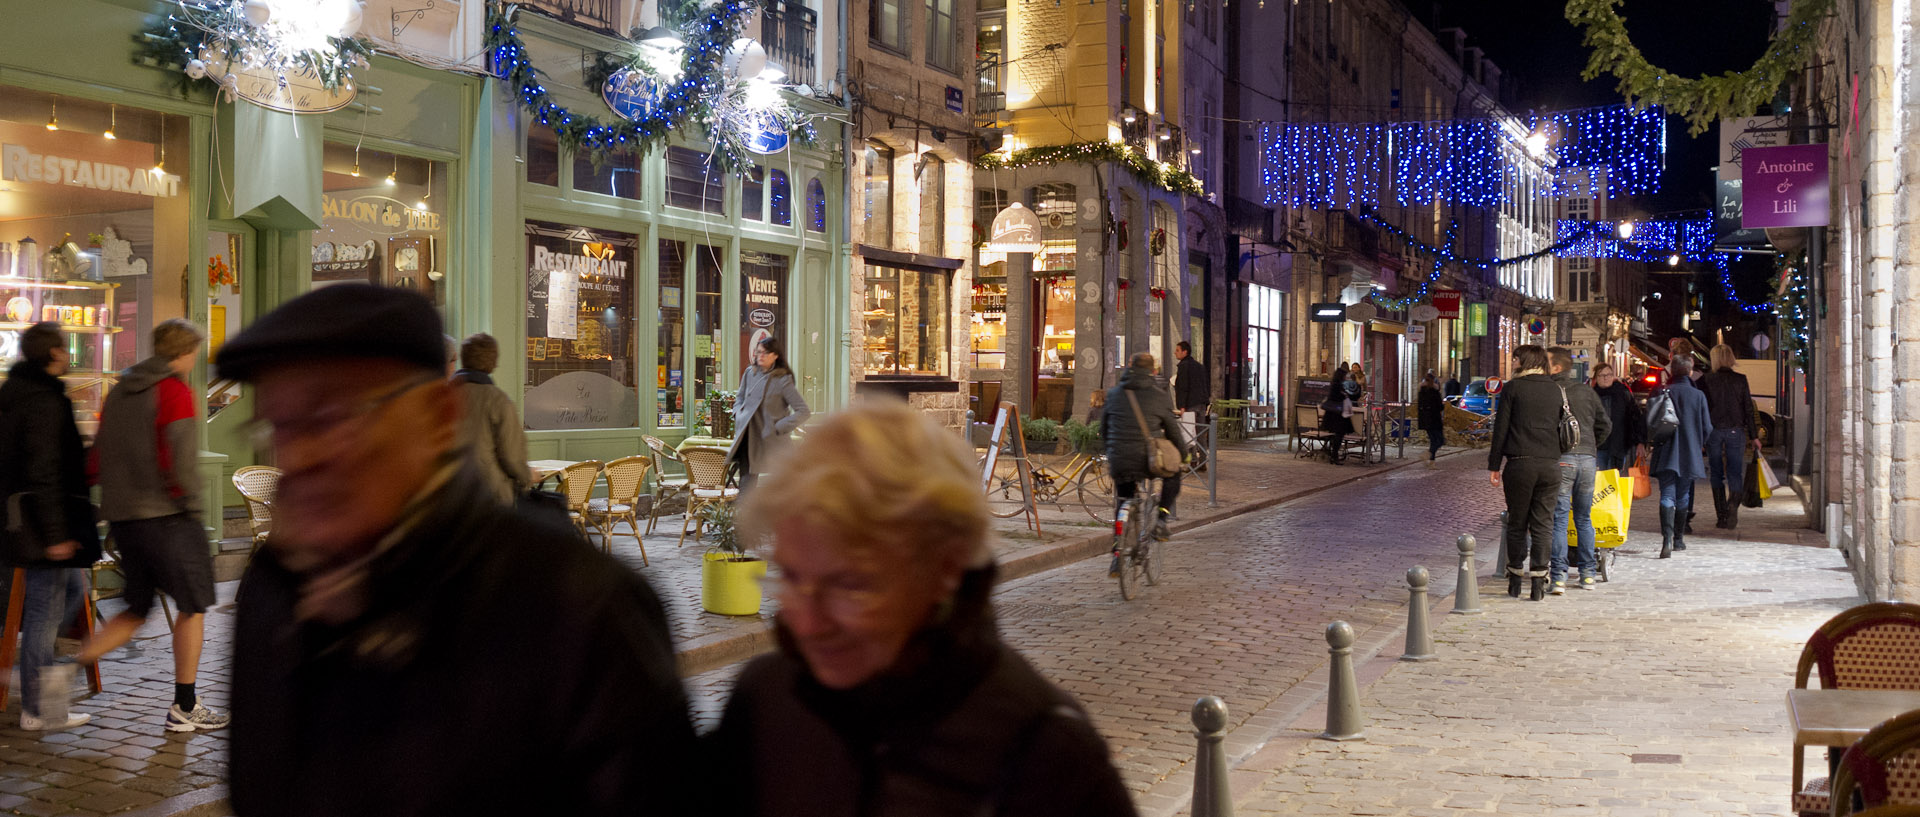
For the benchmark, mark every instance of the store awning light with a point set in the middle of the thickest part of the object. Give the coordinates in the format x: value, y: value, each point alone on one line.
x: 1015, y: 229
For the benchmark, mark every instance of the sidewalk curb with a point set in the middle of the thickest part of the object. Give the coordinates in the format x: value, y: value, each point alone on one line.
x: 712, y: 652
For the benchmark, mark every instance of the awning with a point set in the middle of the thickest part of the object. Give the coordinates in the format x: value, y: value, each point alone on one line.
x: 1647, y: 352
x: 1387, y: 327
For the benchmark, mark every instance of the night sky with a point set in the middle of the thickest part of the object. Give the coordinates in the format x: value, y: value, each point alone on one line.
x: 1536, y: 47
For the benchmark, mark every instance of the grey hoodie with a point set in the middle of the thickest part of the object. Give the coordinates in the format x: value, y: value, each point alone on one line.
x: 148, y: 408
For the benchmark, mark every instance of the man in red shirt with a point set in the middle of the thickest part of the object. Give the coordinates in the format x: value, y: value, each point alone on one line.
x: 146, y: 453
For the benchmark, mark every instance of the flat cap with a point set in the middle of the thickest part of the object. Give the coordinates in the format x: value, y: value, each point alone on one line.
x: 338, y: 321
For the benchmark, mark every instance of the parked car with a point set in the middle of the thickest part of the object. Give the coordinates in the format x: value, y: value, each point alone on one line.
x: 1476, y: 399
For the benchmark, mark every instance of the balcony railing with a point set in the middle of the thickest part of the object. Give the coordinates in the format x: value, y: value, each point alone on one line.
x: 786, y: 30
x: 594, y: 14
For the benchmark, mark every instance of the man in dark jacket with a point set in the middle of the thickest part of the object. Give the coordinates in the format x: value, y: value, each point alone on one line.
x: 407, y: 645
x: 1526, y: 444
x: 1576, y: 473
x: 1127, y: 447
x: 1191, y: 391
x: 1454, y: 389
x: 46, y: 468
x: 1730, y: 406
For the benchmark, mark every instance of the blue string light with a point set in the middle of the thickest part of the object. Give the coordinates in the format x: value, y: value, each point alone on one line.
x: 1655, y: 242
x: 1441, y: 254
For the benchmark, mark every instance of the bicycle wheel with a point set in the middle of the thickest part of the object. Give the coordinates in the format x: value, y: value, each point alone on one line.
x: 1005, y: 498
x: 1129, y: 550
x: 1148, y: 550
x: 1096, y: 491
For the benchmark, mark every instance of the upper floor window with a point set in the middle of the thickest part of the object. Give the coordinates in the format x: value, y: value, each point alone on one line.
x: 816, y: 206
x: 943, y: 44
x: 887, y: 24
x: 753, y: 194
x: 693, y: 182
x: 879, y: 195
x: 782, y: 193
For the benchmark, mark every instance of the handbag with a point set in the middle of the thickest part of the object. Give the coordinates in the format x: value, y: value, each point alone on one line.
x: 1663, y: 420
x: 1163, y: 457
x: 1642, y: 485
x: 1569, y: 424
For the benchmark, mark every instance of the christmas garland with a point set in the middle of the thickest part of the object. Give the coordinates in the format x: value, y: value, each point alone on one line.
x: 1159, y: 174
x: 220, y: 32
x: 1700, y: 100
x: 1791, y: 304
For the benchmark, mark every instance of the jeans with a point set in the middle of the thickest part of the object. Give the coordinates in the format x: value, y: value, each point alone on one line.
x: 1727, y: 461
x: 1530, y: 483
x: 1576, y: 499
x: 1123, y: 490
x: 1435, y: 438
x: 1675, y: 492
x: 54, y: 596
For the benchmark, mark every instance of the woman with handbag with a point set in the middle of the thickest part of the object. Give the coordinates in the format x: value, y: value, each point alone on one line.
x: 1137, y: 408
x: 1524, y: 458
x: 1336, y: 413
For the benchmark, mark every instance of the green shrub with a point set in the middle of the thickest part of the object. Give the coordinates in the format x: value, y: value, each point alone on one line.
x: 1084, y: 437
x: 1040, y: 429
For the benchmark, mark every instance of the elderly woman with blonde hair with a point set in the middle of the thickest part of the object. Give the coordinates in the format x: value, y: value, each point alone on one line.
x: 892, y: 693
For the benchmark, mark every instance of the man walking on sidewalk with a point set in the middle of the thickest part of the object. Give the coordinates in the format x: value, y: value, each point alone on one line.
x: 408, y: 645
x: 148, y: 453
x: 1576, y: 473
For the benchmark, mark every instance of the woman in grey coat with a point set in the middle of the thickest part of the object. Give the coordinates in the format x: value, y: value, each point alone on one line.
x: 1677, y: 461
x: 765, y: 411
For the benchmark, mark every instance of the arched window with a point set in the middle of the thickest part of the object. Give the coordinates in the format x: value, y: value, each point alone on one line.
x: 782, y: 192
x: 816, y: 207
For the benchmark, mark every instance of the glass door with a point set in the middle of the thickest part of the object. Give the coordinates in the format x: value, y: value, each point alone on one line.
x: 229, y: 270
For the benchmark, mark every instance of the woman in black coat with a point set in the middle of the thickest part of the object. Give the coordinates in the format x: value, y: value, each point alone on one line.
x: 1431, y: 411
x: 1336, y: 413
x: 1621, y: 447
x: 1524, y: 456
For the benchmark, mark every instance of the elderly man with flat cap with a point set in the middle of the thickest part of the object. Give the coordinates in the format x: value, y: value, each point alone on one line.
x: 406, y: 644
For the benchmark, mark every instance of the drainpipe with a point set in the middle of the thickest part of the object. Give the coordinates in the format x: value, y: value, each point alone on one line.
x: 845, y: 285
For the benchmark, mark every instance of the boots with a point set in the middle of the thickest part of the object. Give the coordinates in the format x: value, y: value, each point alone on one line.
x: 1666, y: 531
x: 1733, y: 509
x: 1720, y: 511
x: 1539, y: 592
x: 1513, y: 584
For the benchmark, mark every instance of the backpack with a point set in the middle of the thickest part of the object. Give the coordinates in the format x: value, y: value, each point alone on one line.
x: 1663, y: 420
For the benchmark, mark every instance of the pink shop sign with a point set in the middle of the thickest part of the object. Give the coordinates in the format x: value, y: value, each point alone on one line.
x: 1784, y: 186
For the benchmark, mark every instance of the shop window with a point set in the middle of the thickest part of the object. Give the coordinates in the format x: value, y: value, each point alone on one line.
x: 988, y: 342
x: 580, y: 344
x: 543, y: 156
x: 763, y: 301
x: 782, y: 198
x: 905, y: 317
x: 94, y: 232
x: 706, y: 325
x: 617, y: 174
x: 693, y: 182
x: 753, y: 194
x: 879, y: 195
x: 670, y: 385
x: 387, y: 225
x: 689, y: 339
x: 1054, y: 274
x: 816, y: 206
x: 933, y: 205
x: 1266, y: 309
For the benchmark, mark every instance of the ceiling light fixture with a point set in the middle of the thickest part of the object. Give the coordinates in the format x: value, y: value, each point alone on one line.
x: 393, y: 176
x: 113, y: 118
x: 53, y: 119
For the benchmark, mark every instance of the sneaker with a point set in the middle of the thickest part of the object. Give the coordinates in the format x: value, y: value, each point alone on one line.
x: 1160, y: 533
x: 200, y: 719
x: 1586, y: 583
x: 34, y: 724
x: 1559, y: 587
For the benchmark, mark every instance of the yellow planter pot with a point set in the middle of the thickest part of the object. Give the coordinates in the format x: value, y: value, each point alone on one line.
x: 730, y: 584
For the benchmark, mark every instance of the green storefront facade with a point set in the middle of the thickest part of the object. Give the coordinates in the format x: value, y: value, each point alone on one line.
x: 423, y: 182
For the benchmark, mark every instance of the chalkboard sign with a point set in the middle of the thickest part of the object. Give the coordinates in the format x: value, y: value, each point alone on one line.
x: 1309, y: 391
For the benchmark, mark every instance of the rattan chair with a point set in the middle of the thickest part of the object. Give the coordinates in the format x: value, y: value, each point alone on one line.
x: 707, y: 470
x: 665, y: 486
x: 1870, y: 646
x: 626, y: 477
x: 1883, y: 767
x: 576, y: 485
x: 1890, y: 811
x: 258, y: 485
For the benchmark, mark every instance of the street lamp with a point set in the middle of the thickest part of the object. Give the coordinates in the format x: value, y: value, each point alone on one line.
x: 1626, y: 230
x: 1673, y: 260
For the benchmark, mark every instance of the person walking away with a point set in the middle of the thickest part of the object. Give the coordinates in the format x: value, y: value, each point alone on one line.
x: 490, y: 429
x: 1676, y: 452
x: 1524, y: 462
x: 405, y: 645
x: 1192, y: 394
x: 1627, y: 438
x: 1336, y: 414
x: 766, y: 411
x: 1432, y: 417
x: 1127, y: 446
x: 891, y: 691
x: 1577, y: 466
x: 47, y: 471
x: 1454, y: 389
x: 147, y: 453
x: 1730, y: 408
x: 1356, y: 384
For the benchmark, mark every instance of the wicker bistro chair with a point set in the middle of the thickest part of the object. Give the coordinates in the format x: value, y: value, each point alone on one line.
x: 707, y: 470
x: 1870, y: 646
x: 665, y: 487
x: 576, y: 485
x: 258, y: 485
x: 626, y: 477
x: 1883, y: 767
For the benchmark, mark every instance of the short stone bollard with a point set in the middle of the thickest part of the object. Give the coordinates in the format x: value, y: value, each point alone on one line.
x: 1212, y: 792
x: 1466, y: 589
x: 1343, y: 690
x: 1419, y: 639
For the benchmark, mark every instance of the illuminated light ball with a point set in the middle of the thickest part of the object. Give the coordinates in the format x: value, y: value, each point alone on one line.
x: 745, y: 59
x: 259, y: 12
x: 196, y: 69
x: 350, y: 23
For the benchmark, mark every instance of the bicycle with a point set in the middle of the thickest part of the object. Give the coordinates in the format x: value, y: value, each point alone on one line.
x: 1082, y: 479
x: 1133, y: 542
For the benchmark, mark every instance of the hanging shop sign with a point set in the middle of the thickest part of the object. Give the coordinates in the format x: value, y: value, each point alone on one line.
x: 1476, y: 320
x: 1362, y: 312
x: 299, y: 91
x: 1448, y: 302
x: 631, y: 94
x: 766, y: 136
x: 1329, y: 313
x: 1737, y: 135
x: 1424, y: 313
x: 1784, y: 186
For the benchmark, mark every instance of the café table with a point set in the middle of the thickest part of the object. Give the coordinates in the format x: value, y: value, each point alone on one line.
x: 544, y: 470
x: 697, y: 441
x: 1835, y: 718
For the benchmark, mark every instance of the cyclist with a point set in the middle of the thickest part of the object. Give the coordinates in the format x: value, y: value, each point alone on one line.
x: 1127, y: 448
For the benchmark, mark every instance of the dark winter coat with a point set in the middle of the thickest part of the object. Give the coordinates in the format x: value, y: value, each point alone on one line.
x: 44, y: 464
x: 1681, y: 454
x: 492, y: 434
x: 1729, y: 401
x: 1126, y: 447
x: 1432, y: 409
x: 502, y: 666
x: 1595, y: 425
x: 1629, y: 423
x: 1454, y: 389
x: 1190, y: 388
x: 1526, y: 420
x: 148, y: 446
x: 960, y: 726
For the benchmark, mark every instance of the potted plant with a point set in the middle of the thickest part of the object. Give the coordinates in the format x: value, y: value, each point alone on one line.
x: 729, y: 576
x: 1084, y: 437
x: 719, y: 409
x: 1043, y: 434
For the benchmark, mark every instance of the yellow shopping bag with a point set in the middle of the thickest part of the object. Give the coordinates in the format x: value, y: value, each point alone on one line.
x: 1612, y: 501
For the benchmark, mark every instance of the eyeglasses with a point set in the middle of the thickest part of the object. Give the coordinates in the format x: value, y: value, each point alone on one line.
x: 328, y: 420
x: 843, y: 596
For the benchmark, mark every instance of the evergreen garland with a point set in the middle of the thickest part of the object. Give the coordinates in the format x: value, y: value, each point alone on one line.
x: 201, y: 34
x: 1790, y: 303
x: 1699, y: 100
x: 1159, y: 174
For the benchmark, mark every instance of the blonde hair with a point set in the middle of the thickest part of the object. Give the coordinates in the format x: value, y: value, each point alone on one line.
x: 175, y: 337
x: 878, y: 475
x: 1722, y: 357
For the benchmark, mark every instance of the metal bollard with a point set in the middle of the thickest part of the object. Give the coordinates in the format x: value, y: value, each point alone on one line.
x: 1343, y: 691
x: 1213, y: 461
x: 1500, y: 549
x: 1466, y: 591
x: 1419, y: 639
x: 1212, y: 794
